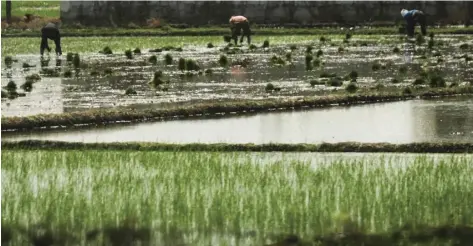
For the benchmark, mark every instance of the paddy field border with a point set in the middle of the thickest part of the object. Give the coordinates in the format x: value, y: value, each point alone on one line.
x: 95, y: 117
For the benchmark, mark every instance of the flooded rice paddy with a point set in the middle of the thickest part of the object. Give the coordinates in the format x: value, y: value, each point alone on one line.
x: 246, y: 76
x: 435, y: 120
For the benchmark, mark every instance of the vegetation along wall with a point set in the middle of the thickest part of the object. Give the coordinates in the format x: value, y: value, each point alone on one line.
x: 140, y: 13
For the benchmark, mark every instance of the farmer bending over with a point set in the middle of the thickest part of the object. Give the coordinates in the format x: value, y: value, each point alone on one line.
x: 236, y: 24
x: 50, y: 31
x: 413, y: 17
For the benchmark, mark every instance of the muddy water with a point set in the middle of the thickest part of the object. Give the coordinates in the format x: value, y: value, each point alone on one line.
x: 56, y: 95
x: 399, y: 122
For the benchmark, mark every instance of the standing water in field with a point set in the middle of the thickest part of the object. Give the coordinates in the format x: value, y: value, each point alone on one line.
x: 102, y: 80
x: 449, y: 119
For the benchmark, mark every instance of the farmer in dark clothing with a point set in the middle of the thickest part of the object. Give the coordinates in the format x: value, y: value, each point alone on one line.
x: 413, y: 17
x: 237, y: 23
x: 50, y: 31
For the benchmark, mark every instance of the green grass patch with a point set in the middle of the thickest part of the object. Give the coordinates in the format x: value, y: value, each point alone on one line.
x: 49, y: 9
x: 13, y: 46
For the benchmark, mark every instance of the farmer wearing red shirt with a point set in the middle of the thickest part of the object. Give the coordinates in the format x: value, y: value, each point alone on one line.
x: 236, y: 24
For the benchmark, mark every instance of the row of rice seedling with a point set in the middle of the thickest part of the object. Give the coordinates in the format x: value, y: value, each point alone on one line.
x: 226, y: 194
x: 105, y: 116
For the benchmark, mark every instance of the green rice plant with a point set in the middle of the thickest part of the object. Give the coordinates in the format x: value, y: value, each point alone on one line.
x: 157, y: 79
x: 168, y: 59
x: 33, y: 77
x: 288, y: 56
x: 418, y: 81
x: 210, y: 45
x: 208, y: 71
x: 335, y: 81
x: 396, y: 50
x: 156, y: 50
x: 293, y: 47
x: 277, y: 60
x: 108, y: 71
x: 181, y: 64
x: 94, y: 73
x: 67, y: 74
x: 319, y: 53
x: 137, y: 51
x: 431, y: 35
x: 168, y: 48
x: 327, y: 75
x: 50, y: 72
x: 153, y: 59
x: 341, y: 49
x: 323, y: 39
x: 107, y: 50
x: 403, y: 69
x: 265, y: 44
x: 27, y: 86
x: 379, y: 86
x: 420, y: 39
x: 8, y: 61
x: 26, y: 65
x: 11, y: 86
x: 315, y: 82
x: 376, y: 66
x: 191, y: 64
x: 316, y: 62
x: 223, y: 60
x: 178, y: 49
x: 436, y: 80
x: 395, y: 81
x: 170, y: 192
x: 348, y: 35
x: 4, y: 94
x: 76, y: 61
x: 464, y: 46
x: 353, y: 75
x: 352, y: 87
x: 130, y: 91
x: 253, y: 47
x: 44, y: 62
x: 308, y: 59
x: 269, y: 87
x: 69, y: 57
x: 129, y: 54
x: 430, y: 44
x: 407, y: 91
x: 309, y: 49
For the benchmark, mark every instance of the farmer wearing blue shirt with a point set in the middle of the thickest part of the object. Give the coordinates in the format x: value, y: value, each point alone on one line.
x: 413, y: 17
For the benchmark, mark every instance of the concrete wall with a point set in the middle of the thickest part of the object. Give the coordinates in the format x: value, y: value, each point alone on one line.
x: 113, y: 13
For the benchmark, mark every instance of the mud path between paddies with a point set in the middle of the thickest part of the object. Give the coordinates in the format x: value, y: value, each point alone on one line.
x: 233, y: 82
x: 435, y: 120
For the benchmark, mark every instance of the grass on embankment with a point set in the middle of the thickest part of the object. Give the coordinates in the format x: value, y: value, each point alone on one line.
x: 233, y: 194
x: 324, y: 147
x: 111, y: 116
x: 49, y: 9
x: 219, y: 31
x: 13, y: 46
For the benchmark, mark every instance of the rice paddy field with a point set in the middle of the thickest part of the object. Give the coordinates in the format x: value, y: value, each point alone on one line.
x: 177, y: 70
x: 204, y: 198
x: 53, y: 196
